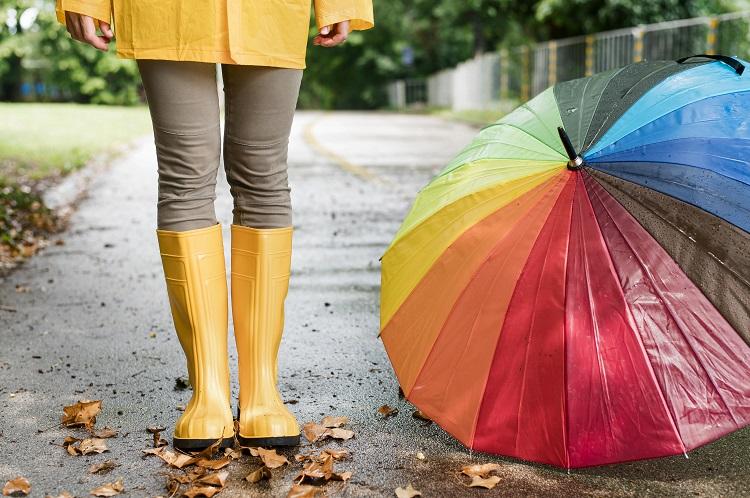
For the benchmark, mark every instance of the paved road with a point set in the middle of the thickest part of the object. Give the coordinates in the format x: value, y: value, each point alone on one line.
x: 94, y: 324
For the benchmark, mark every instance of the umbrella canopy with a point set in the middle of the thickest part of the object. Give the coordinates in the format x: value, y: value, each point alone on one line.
x: 574, y: 287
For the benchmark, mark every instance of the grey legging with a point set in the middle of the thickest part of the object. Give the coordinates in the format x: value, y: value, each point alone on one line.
x: 184, y: 105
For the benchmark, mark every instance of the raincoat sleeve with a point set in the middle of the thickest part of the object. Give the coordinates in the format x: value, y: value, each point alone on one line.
x: 358, y: 12
x: 100, y: 10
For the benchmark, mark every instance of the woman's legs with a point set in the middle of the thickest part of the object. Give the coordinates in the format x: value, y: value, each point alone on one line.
x: 184, y: 105
x: 183, y: 102
x: 259, y: 106
x: 260, y: 103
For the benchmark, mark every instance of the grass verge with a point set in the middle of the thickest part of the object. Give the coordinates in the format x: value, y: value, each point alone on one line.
x: 39, y: 144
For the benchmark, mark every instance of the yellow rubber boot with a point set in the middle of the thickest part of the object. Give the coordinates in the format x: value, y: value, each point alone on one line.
x: 194, y: 269
x: 261, y: 259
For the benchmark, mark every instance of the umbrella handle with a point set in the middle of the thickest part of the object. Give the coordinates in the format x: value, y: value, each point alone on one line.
x: 738, y: 67
x: 575, y: 160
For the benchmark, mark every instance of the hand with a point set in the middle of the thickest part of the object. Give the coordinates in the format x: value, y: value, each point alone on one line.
x: 82, y: 28
x: 330, y: 36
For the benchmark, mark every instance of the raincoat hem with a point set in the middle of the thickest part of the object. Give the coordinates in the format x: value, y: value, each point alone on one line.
x: 212, y: 56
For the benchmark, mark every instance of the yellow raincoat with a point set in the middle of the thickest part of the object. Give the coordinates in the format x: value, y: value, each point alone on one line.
x: 252, y: 32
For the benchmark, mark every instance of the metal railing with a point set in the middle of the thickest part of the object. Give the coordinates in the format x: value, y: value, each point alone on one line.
x: 493, y: 80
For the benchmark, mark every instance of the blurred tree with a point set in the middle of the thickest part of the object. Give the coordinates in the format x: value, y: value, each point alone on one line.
x: 412, y: 38
x: 36, y: 49
x: 561, y: 18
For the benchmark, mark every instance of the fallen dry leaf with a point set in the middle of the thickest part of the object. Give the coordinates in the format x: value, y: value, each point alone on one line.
x: 93, y: 445
x: 109, y: 489
x: 319, y: 469
x: 332, y: 422
x: 215, y: 479
x: 338, y: 433
x: 105, y: 433
x: 336, y: 454
x: 160, y: 441
x: 209, y: 452
x: 205, y: 491
x: 317, y: 432
x: 69, y: 443
x: 303, y: 491
x: 177, y: 460
x: 419, y: 415
x: 481, y: 470
x: 232, y: 453
x: 407, y: 492
x: 313, y: 431
x: 420, y: 455
x: 193, y: 474
x: 156, y: 432
x: 75, y: 446
x: 481, y: 482
x: 270, y: 458
x: 387, y: 411
x: 262, y: 474
x: 18, y: 486
x: 103, y: 467
x: 81, y: 414
x: 217, y: 464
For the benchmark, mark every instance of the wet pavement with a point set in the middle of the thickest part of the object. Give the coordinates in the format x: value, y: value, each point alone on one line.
x: 89, y: 319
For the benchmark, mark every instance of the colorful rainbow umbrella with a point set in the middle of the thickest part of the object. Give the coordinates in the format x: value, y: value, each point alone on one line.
x: 574, y: 287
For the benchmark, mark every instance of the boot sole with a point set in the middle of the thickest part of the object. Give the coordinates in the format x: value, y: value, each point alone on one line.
x: 200, y: 444
x: 268, y: 441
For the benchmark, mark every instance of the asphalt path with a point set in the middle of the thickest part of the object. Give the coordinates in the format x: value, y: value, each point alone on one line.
x: 88, y: 319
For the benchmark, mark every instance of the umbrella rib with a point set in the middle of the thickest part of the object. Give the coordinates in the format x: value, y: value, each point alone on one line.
x: 671, y: 312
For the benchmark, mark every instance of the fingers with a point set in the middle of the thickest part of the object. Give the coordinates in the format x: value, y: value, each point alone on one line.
x: 82, y: 28
x: 330, y: 36
x: 73, y: 23
x: 90, y: 36
x: 106, y: 30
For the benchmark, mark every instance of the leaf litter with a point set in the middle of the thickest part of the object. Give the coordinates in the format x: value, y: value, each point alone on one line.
x: 407, y: 492
x: 329, y: 427
x: 20, y: 486
x: 81, y: 414
x: 109, y: 489
x: 481, y: 475
x: 104, y: 467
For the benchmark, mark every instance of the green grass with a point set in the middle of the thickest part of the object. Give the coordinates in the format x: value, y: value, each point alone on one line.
x: 40, y: 139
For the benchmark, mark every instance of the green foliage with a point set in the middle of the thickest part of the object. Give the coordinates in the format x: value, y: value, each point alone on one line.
x: 47, y: 53
x: 561, y: 18
x: 437, y: 34
x: 442, y: 33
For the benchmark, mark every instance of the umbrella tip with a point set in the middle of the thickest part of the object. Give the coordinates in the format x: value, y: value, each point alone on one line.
x: 576, y: 161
